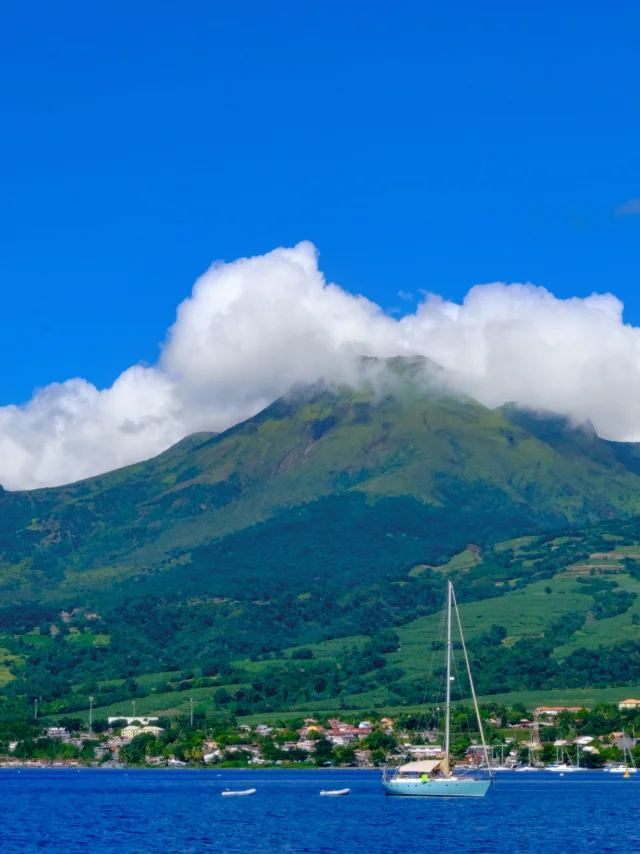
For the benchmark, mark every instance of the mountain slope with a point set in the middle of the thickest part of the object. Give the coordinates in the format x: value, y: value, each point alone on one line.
x: 475, y: 473
x: 331, y: 517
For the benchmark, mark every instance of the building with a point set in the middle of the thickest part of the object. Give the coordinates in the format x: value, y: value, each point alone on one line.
x: 138, y: 718
x: 423, y: 751
x: 363, y: 757
x: 552, y: 711
x: 629, y: 704
x: 133, y: 731
x: 522, y: 724
x: 56, y: 732
x: 341, y: 739
x: 625, y: 742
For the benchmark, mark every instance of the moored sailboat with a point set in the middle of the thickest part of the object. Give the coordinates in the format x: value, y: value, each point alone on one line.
x: 431, y: 778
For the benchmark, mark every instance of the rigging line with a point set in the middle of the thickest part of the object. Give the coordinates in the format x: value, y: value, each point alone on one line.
x: 473, y: 690
x: 461, y: 699
x: 439, y: 692
x: 429, y: 672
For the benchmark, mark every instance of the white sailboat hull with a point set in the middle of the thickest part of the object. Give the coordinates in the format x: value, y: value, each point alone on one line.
x: 449, y: 787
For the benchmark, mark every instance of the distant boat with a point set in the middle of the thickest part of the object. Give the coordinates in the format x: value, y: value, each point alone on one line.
x: 242, y: 793
x: 561, y: 764
x: 529, y: 765
x: 335, y: 792
x: 433, y: 778
x: 628, y: 766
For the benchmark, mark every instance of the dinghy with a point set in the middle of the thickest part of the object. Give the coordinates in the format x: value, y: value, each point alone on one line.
x: 244, y: 792
x: 335, y: 792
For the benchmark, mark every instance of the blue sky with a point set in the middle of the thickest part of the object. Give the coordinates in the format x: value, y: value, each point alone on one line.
x: 417, y: 144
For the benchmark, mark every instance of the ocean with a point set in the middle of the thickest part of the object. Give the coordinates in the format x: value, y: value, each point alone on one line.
x: 182, y: 812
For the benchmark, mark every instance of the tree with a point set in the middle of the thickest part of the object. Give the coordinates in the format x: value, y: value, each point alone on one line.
x: 379, y: 741
x: 378, y: 757
x: 323, y: 753
x: 221, y: 697
x: 71, y: 724
x: 345, y: 756
x: 302, y: 654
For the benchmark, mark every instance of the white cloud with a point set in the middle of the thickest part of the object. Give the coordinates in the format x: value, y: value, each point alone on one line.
x: 254, y: 328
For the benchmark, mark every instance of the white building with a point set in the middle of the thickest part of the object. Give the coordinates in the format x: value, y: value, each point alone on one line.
x: 133, y: 731
x: 629, y: 704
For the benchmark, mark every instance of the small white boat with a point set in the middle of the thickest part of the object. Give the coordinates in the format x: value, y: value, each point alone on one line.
x: 229, y: 792
x: 335, y: 792
x: 621, y: 769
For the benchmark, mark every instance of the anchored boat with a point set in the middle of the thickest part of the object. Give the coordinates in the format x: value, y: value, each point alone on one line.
x: 434, y: 778
x: 229, y: 792
x: 335, y: 793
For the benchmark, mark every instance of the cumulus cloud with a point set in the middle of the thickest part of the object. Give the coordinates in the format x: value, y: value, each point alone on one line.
x: 253, y: 328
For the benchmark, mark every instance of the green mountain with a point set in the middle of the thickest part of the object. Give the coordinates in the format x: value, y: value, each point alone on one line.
x: 328, y: 515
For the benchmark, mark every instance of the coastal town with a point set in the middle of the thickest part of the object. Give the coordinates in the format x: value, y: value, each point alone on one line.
x: 603, y: 737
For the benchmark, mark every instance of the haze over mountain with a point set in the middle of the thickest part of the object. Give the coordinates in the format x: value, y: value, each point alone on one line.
x: 254, y: 328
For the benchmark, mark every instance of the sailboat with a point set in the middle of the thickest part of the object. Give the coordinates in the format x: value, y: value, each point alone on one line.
x: 434, y: 778
x: 627, y: 766
x: 561, y: 765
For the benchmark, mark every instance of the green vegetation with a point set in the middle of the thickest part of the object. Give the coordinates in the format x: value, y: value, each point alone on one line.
x: 299, y: 560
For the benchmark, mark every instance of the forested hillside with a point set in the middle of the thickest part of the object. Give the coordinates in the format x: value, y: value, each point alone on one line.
x: 299, y: 558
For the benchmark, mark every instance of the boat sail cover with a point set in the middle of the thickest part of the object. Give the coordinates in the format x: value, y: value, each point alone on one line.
x: 425, y: 766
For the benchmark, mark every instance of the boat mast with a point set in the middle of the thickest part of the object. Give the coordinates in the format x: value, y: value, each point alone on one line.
x: 452, y: 597
x: 447, y: 725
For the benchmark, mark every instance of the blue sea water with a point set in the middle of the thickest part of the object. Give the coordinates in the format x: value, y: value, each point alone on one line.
x: 182, y: 812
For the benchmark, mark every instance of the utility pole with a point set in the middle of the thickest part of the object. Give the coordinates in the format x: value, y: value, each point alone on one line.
x: 35, y: 705
x: 191, y: 702
x: 133, y: 703
x: 90, y: 714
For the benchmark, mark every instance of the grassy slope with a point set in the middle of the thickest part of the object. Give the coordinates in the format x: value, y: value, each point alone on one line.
x: 522, y: 612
